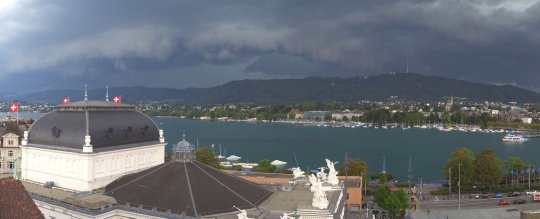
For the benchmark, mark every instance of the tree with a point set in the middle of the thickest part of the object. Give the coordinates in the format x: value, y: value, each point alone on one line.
x: 465, y: 157
x: 382, y: 177
x: 511, y: 164
x: 206, y: 156
x: 446, y: 119
x: 395, y: 202
x: 488, y: 168
x: 433, y: 118
x: 265, y: 166
x: 168, y: 156
x: 291, y: 115
x: 356, y: 167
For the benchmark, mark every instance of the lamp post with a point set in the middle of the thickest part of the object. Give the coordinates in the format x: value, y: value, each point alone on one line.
x: 15, y: 176
x: 410, y: 174
x: 459, y: 188
x: 529, y: 174
x: 449, y: 182
x: 421, y: 189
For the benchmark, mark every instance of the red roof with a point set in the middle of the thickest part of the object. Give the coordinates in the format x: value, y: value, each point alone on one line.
x: 15, y: 202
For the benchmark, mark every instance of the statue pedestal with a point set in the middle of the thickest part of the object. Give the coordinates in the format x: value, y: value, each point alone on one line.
x: 333, y: 180
x: 320, y: 202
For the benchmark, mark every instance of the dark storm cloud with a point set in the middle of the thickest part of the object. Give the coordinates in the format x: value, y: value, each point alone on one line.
x: 170, y: 43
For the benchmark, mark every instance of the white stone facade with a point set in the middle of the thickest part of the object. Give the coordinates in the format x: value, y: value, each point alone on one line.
x: 87, y: 171
x: 59, y: 212
x: 10, y: 154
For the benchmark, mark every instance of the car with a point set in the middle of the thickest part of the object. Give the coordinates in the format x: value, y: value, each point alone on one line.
x: 513, y: 194
x: 530, y: 192
x: 483, y: 196
x: 479, y: 196
x: 519, y: 201
x: 504, y: 202
x: 498, y: 195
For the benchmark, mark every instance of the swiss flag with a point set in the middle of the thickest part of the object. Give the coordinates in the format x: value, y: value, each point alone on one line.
x: 65, y: 100
x: 14, y: 107
x: 116, y: 99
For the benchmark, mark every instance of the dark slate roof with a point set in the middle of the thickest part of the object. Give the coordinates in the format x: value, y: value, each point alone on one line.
x: 11, y: 127
x: 94, y: 105
x: 15, y: 201
x: 190, y: 187
x: 109, y: 126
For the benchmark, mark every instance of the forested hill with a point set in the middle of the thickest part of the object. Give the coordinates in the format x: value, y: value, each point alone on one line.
x: 379, y: 87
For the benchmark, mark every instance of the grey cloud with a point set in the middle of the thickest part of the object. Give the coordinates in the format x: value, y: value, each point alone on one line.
x: 143, y: 42
x: 480, y: 40
x: 284, y: 65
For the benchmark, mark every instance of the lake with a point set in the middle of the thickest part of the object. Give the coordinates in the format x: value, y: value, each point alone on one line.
x: 429, y: 148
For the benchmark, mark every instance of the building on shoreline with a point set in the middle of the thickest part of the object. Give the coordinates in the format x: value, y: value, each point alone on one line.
x: 317, y: 115
x: 346, y: 115
x: 10, y: 152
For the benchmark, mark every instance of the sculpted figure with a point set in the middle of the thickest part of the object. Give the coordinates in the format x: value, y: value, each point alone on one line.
x: 332, y: 174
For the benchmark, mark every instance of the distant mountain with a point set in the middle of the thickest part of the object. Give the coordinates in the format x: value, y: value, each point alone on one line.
x: 379, y: 87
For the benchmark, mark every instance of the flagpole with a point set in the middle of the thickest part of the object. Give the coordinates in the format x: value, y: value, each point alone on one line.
x: 529, y: 177
x: 17, y: 121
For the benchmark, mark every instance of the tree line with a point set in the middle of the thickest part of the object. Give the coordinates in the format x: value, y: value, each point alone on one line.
x: 484, y: 169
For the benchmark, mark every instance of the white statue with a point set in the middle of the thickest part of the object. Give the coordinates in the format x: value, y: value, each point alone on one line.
x: 297, y: 173
x: 319, y: 196
x: 161, y: 138
x: 243, y: 214
x: 312, y: 181
x: 321, y: 174
x: 24, y: 141
x: 332, y: 174
x: 285, y: 216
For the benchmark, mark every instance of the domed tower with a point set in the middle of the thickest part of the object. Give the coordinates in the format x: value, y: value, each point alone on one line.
x: 183, y: 151
x: 188, y: 187
x: 85, y: 145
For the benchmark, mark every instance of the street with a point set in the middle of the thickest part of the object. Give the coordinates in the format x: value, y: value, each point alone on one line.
x: 473, y: 208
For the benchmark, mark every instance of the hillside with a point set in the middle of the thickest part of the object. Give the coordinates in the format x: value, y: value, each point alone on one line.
x: 403, y: 85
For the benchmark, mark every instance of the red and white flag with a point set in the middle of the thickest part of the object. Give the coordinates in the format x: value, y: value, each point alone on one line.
x: 117, y: 99
x: 14, y: 107
x: 65, y: 100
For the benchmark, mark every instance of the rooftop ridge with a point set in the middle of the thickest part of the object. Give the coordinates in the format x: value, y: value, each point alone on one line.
x: 94, y: 105
x: 138, y: 178
x: 227, y: 187
x: 190, y: 190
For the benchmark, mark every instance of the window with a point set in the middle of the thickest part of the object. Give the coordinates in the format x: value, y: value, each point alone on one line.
x: 10, y: 142
x: 11, y: 165
x: 10, y: 153
x: 0, y: 165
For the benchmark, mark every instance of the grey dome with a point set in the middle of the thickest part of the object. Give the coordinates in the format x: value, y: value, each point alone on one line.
x: 183, y: 145
x: 192, y: 188
x: 109, y: 124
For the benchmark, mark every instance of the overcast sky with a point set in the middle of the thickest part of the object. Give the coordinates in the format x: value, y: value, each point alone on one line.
x: 65, y: 44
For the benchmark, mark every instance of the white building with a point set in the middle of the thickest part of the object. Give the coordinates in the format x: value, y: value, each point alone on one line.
x: 526, y: 120
x: 10, y: 153
x: 85, y: 145
x: 345, y: 114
